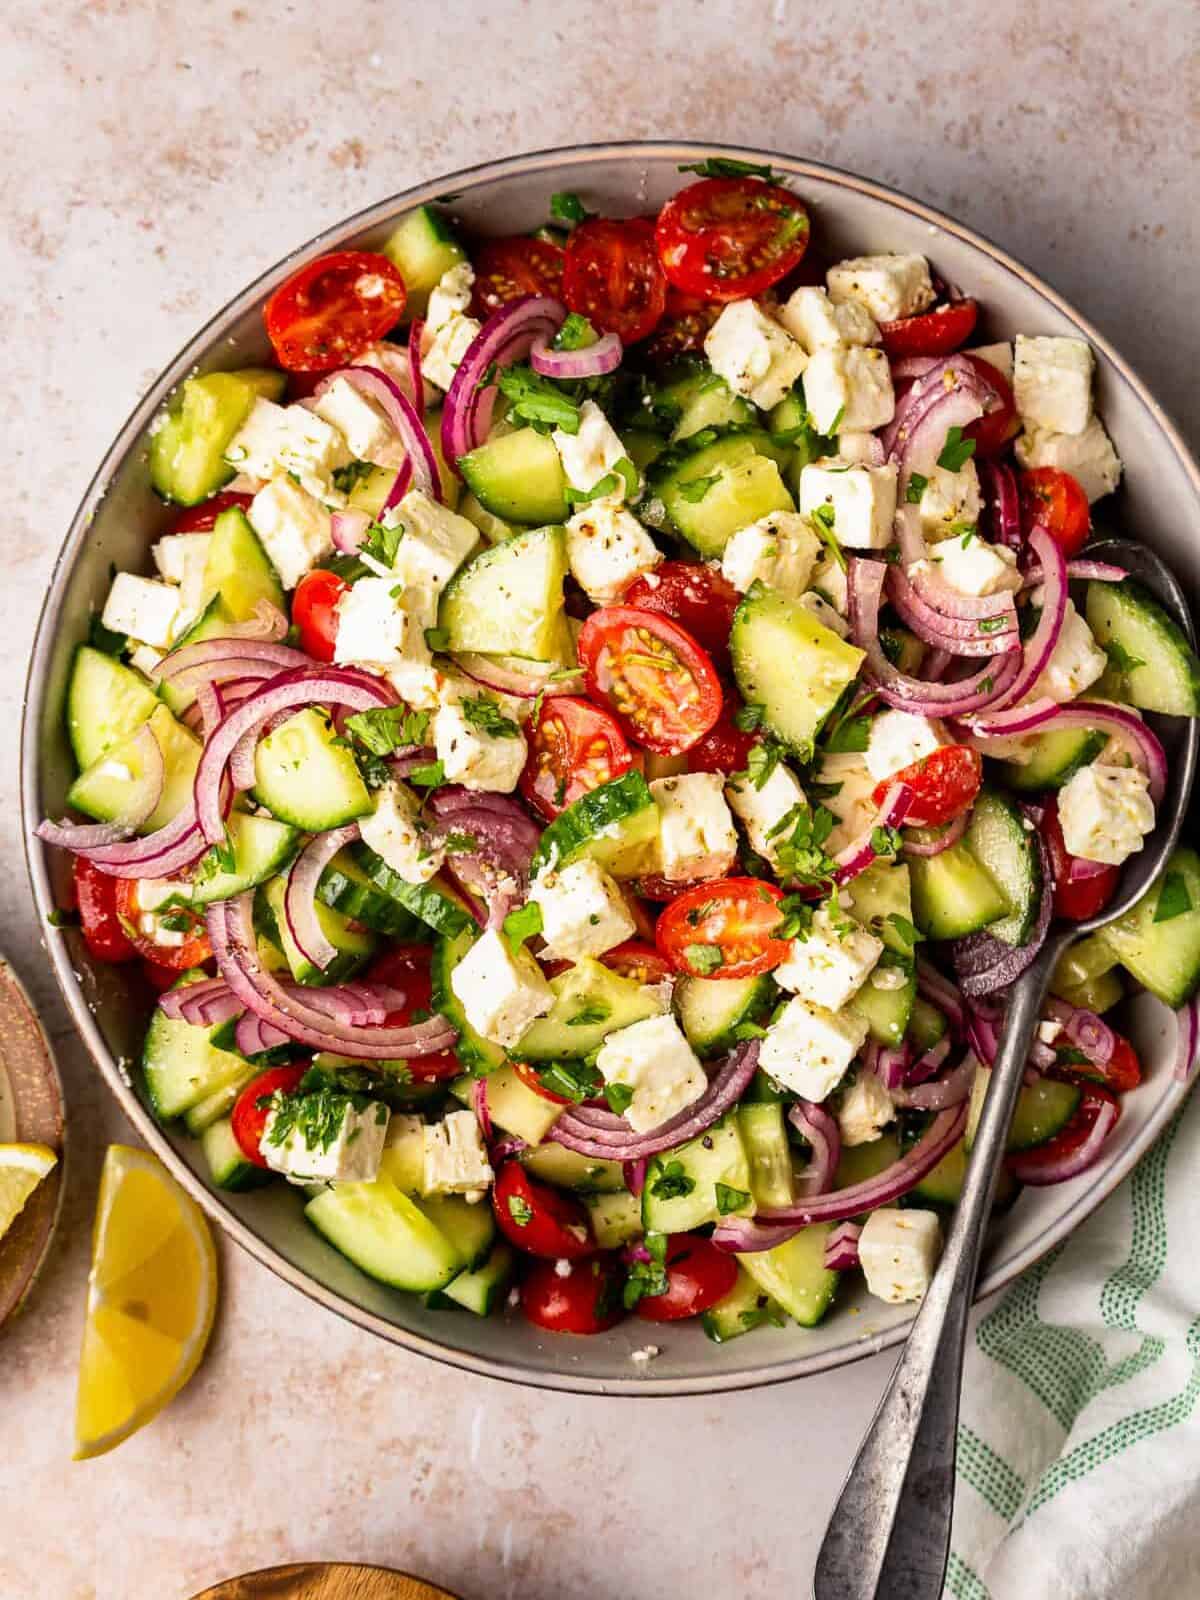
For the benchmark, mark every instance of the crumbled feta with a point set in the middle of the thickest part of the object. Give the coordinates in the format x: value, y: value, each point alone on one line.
x: 472, y: 756
x: 1050, y: 1031
x: 696, y: 837
x: 455, y: 1160
x: 500, y: 993
x: 607, y: 548
x: 824, y: 613
x: 181, y: 558
x: 451, y: 295
x: 143, y: 608
x: 1076, y: 662
x: 647, y: 1353
x: 397, y: 835
x: 898, y: 1251
x: 145, y: 658
x: 154, y: 893
x: 810, y: 316
x: 760, y: 811
x: 290, y: 441
x: 859, y: 447
x: 436, y: 542
x: 654, y: 1060
x: 350, y: 1156
x: 414, y: 676
x: 442, y: 349
x: 592, y: 452
x: 807, y: 1048
x: 1105, y: 813
x: 999, y: 356
x: 830, y: 582
x: 756, y: 357
x: 583, y: 911
x: 1052, y: 383
x: 849, y: 387
x: 847, y: 786
x: 889, y: 286
x: 862, y: 499
x: 1088, y: 456
x: 974, y: 567
x: 372, y: 625
x: 829, y: 963
x: 949, y: 500
x: 865, y: 1110
x: 368, y: 434
x: 778, y: 550
x: 294, y: 528
x: 897, y: 739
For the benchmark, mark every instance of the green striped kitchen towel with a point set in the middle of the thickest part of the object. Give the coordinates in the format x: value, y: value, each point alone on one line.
x: 1079, y: 1444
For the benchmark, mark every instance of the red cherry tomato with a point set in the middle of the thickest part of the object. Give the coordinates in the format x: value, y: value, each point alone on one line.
x: 195, y: 948
x: 611, y: 275
x: 1120, y: 1073
x: 99, y: 919
x: 530, y: 1076
x: 588, y: 1300
x: 252, y: 1107
x: 698, y: 1275
x: 538, y: 1219
x: 944, y: 784
x: 697, y: 597
x: 332, y: 309
x: 573, y: 747
x: 406, y: 966
x: 1056, y: 501
x: 684, y: 326
x: 1066, y: 1141
x: 724, y: 748
x: 638, y: 960
x: 1075, y: 900
x: 314, y: 611
x: 661, y: 685
x: 933, y: 333
x: 731, y: 920
x: 994, y: 430
x: 730, y: 238
x: 506, y: 269
x: 201, y: 518
x: 159, y: 978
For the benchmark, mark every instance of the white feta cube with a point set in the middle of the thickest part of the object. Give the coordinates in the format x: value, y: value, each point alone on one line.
x: 1052, y: 383
x: 145, y: 658
x: 291, y: 441
x: 368, y: 434
x: 998, y: 355
x: 436, y: 542
x: 859, y: 447
x: 862, y: 500
x: 1105, y: 813
x: 473, y: 755
x: 756, y: 357
x: 822, y: 612
x: 1088, y: 456
x: 351, y: 1156
x: 847, y: 786
x: 181, y: 558
x: 849, y: 387
x: 865, y: 1110
x: 500, y: 993
x: 829, y: 963
x: 415, y: 677
x: 372, y: 625
x: 762, y: 810
x: 1074, y: 665
x: 889, y: 286
x: 442, y: 350
x: 808, y: 1049
x: 450, y: 296
x: 696, y: 837
x: 974, y: 567
x: 950, y: 501
x: 897, y: 739
x: 143, y: 608
x: 779, y: 550
x: 829, y: 580
x: 294, y: 528
x: 455, y: 1160
x: 399, y: 837
x: 654, y: 1060
x: 592, y: 452
x: 898, y: 1251
x: 607, y: 548
x: 819, y: 324
x: 583, y: 911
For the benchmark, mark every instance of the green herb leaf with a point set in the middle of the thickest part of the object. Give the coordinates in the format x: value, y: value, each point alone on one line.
x: 520, y: 1210
x: 108, y: 642
x: 956, y: 451
x: 704, y: 958
x: 749, y: 718
x: 576, y: 333
x: 764, y: 757
x: 522, y: 924
x: 485, y: 715
x: 1120, y: 659
x: 886, y: 841
x: 730, y: 167
x: 381, y: 543
x: 695, y: 489
x: 1173, y: 898
x: 647, y: 1277
x: 590, y: 1015
x: 538, y: 401
x: 669, y: 1181
x: 386, y: 728
x: 917, y: 484
x: 730, y: 1199
x: 568, y: 208
x: 348, y: 478
x: 63, y: 919
x: 437, y: 638
x: 618, y: 1096
x: 429, y: 776
x: 574, y: 1080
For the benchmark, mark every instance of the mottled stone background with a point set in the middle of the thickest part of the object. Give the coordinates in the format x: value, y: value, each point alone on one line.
x: 157, y: 156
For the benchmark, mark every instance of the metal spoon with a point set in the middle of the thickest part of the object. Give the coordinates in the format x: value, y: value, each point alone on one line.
x: 889, y: 1535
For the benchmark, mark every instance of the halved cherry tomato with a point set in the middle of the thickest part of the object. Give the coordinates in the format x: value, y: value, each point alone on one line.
x: 724, y: 748
x: 994, y: 430
x: 1055, y: 500
x: 159, y: 978
x: 637, y: 960
x: 698, y: 1275
x: 588, y: 1300
x: 1077, y: 899
x: 506, y: 269
x: 697, y: 597
x: 573, y: 747
x: 201, y: 518
x: 662, y: 687
x: 1026, y: 1163
x: 251, y: 1109
x: 99, y: 920
x: 406, y: 966
x: 195, y: 948
x: 314, y: 611
x: 538, y: 1219
x: 1120, y: 1073
x: 684, y: 326
x: 730, y: 238
x: 333, y: 308
x: 933, y: 333
x: 612, y: 276
x: 944, y: 784
x: 731, y: 921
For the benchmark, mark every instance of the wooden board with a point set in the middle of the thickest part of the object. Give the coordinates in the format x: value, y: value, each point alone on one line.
x: 324, y: 1580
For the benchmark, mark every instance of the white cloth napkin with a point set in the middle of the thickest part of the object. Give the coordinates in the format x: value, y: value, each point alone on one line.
x: 1079, y: 1444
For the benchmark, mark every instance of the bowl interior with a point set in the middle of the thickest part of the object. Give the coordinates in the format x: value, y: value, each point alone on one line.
x: 121, y: 516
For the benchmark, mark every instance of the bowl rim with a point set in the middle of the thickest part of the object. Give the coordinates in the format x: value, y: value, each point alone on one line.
x: 476, y: 176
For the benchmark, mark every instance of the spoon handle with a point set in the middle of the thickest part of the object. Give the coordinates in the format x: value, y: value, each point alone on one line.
x: 889, y: 1536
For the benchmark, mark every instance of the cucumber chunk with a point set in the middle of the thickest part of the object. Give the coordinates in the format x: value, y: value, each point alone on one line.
x: 943, y: 1186
x: 238, y: 569
x: 881, y: 899
x: 261, y: 847
x: 106, y: 702
x: 220, y: 1102
x: 693, y: 393
x: 926, y: 1025
x: 483, y: 1288
x: 1164, y: 956
x: 470, y: 1228
x: 518, y: 476
x: 567, y: 1169
x: 859, y: 1162
x: 794, y: 1274
x: 508, y: 600
x: 747, y: 486
x: 355, y: 946
x: 1098, y: 994
x: 493, y: 528
x: 791, y: 665
x: 745, y: 1307
x: 303, y: 777
x: 765, y: 1137
x: 615, y: 825
x: 422, y: 245
x: 513, y: 1105
x: 953, y: 895
x: 702, y: 1181
x: 181, y: 1065
x: 433, y: 903
x: 587, y: 990
x: 1151, y: 664
x: 1043, y: 1109
x: 477, y: 1054
x: 346, y: 887
x: 711, y: 1010
x: 109, y: 786
x: 227, y: 1165
x: 1000, y: 841
x: 212, y: 623
x: 187, y: 453
x: 886, y: 1011
x: 386, y: 1234
x: 1057, y: 756
x: 615, y: 1218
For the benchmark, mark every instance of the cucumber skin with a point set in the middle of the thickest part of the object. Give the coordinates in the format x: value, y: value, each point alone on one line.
x: 1164, y: 956
x: 439, y: 913
x: 798, y: 693
x: 573, y: 831
x: 1003, y: 817
x: 92, y: 736
x: 1110, y: 609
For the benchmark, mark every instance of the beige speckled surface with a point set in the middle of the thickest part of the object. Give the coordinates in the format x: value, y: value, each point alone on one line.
x: 155, y: 157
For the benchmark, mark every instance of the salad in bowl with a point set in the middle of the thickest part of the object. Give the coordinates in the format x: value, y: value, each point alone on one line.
x: 615, y: 710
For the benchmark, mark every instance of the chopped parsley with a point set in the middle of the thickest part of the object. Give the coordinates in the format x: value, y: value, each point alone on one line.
x: 695, y: 489
x: 956, y: 451
x: 520, y: 1210
x: 576, y: 333
x: 763, y: 1311
x: 1173, y: 898
x: 574, y: 1080
x: 348, y: 478
x: 381, y: 543
x: 316, y: 1110
x: 704, y: 958
x: 992, y: 624
x: 387, y: 728
x: 824, y: 517
x: 591, y: 1014
x: 731, y: 167
x: 917, y: 484
x: 730, y: 1199
x: 797, y: 916
x: 1120, y: 659
x: 798, y: 842
x: 669, y: 1181
x: 886, y: 841
x: 905, y: 929
x: 647, y: 1277
x: 487, y: 717
x: 623, y: 475
x: 539, y: 402
x: 430, y: 775
x: 568, y: 208
x: 437, y: 638
x: 522, y: 924
x: 618, y: 1096
x: 748, y: 718
x: 764, y: 757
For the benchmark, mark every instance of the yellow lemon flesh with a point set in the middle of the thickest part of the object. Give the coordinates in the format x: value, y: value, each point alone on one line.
x: 22, y: 1168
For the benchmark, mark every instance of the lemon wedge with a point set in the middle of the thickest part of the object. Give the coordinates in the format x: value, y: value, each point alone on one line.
x: 22, y: 1168
x: 152, y: 1293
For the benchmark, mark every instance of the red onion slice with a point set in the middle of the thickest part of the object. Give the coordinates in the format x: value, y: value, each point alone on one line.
x: 1142, y: 745
x: 943, y: 994
x: 927, y: 1065
x: 1003, y: 502
x: 1029, y: 1167
x: 1081, y: 571
x: 1086, y: 1031
x: 348, y: 529
x: 593, y: 361
x: 635, y: 1177
x: 1187, y: 1050
x: 933, y: 588
x: 487, y: 671
x: 940, y: 1093
x: 859, y: 853
x: 957, y: 636
x: 89, y: 836
x: 236, y: 658
x: 1040, y: 647
x: 421, y: 468
x: 506, y: 336
x: 825, y: 1138
x: 300, y: 896
x: 416, y: 337
x: 947, y: 836
x: 952, y: 394
x: 479, y: 1103
x: 986, y: 964
x: 841, y: 1248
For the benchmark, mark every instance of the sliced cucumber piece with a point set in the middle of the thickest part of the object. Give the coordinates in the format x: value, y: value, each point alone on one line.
x: 1165, y: 956
x: 109, y: 787
x: 881, y: 899
x: 886, y: 1010
x: 711, y: 1010
x: 187, y: 452
x: 346, y: 887
x: 747, y: 486
x: 261, y: 847
x: 691, y: 390
x: 998, y: 838
x: 403, y: 1158
x: 590, y: 1002
x: 765, y: 1137
x: 512, y: 1104
x: 181, y: 1065
x: 702, y: 1181
x: 493, y: 528
x: 220, y: 1103
x: 470, y: 1228
x: 747, y: 1306
x: 794, y: 1274
x: 477, y: 1054
x: 434, y: 904
x: 953, y: 895
x: 790, y: 664
x: 212, y: 623
x: 926, y: 1025
x: 422, y: 245
x: 483, y: 1289
x: 518, y: 476
x: 1151, y: 664
x: 567, y: 1169
x: 508, y: 600
x: 238, y: 569
x: 1056, y: 757
x: 106, y: 702
x: 1098, y: 994
x: 1043, y: 1109
x: 304, y: 777
x: 943, y: 1186
x: 860, y: 1162
x: 615, y: 1218
x: 354, y: 945
x: 227, y: 1165
x: 615, y: 825
x: 386, y: 1234
x: 1082, y: 962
